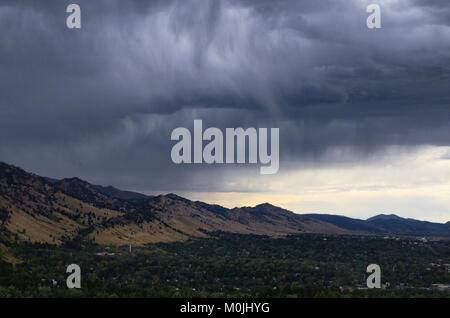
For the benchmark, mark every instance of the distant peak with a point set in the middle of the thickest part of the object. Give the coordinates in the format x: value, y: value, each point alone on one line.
x: 73, y: 179
x: 385, y: 217
x: 4, y: 165
x: 265, y: 205
x: 174, y: 196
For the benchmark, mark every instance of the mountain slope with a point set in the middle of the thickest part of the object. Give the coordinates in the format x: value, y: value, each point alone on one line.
x: 34, y: 210
x: 387, y: 224
x: 265, y: 215
x: 347, y: 223
x: 396, y: 224
x: 174, y: 218
x: 37, y: 209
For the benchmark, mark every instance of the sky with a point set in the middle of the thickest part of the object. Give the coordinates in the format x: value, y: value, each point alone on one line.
x: 363, y: 113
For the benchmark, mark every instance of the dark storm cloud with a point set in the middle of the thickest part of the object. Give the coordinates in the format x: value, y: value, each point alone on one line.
x: 101, y: 102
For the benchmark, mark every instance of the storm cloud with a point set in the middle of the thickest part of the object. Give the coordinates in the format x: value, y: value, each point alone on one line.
x: 100, y: 102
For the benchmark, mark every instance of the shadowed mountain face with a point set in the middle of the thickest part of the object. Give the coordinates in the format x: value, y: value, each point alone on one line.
x: 387, y: 224
x: 396, y: 224
x: 385, y: 217
x: 37, y: 209
x: 347, y: 223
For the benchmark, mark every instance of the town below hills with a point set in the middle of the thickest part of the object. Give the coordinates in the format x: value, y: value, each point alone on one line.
x: 36, y: 209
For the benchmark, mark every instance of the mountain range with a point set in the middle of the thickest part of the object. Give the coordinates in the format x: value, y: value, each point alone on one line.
x: 45, y: 210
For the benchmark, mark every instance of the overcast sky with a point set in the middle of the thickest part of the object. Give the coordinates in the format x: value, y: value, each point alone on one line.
x: 363, y: 114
